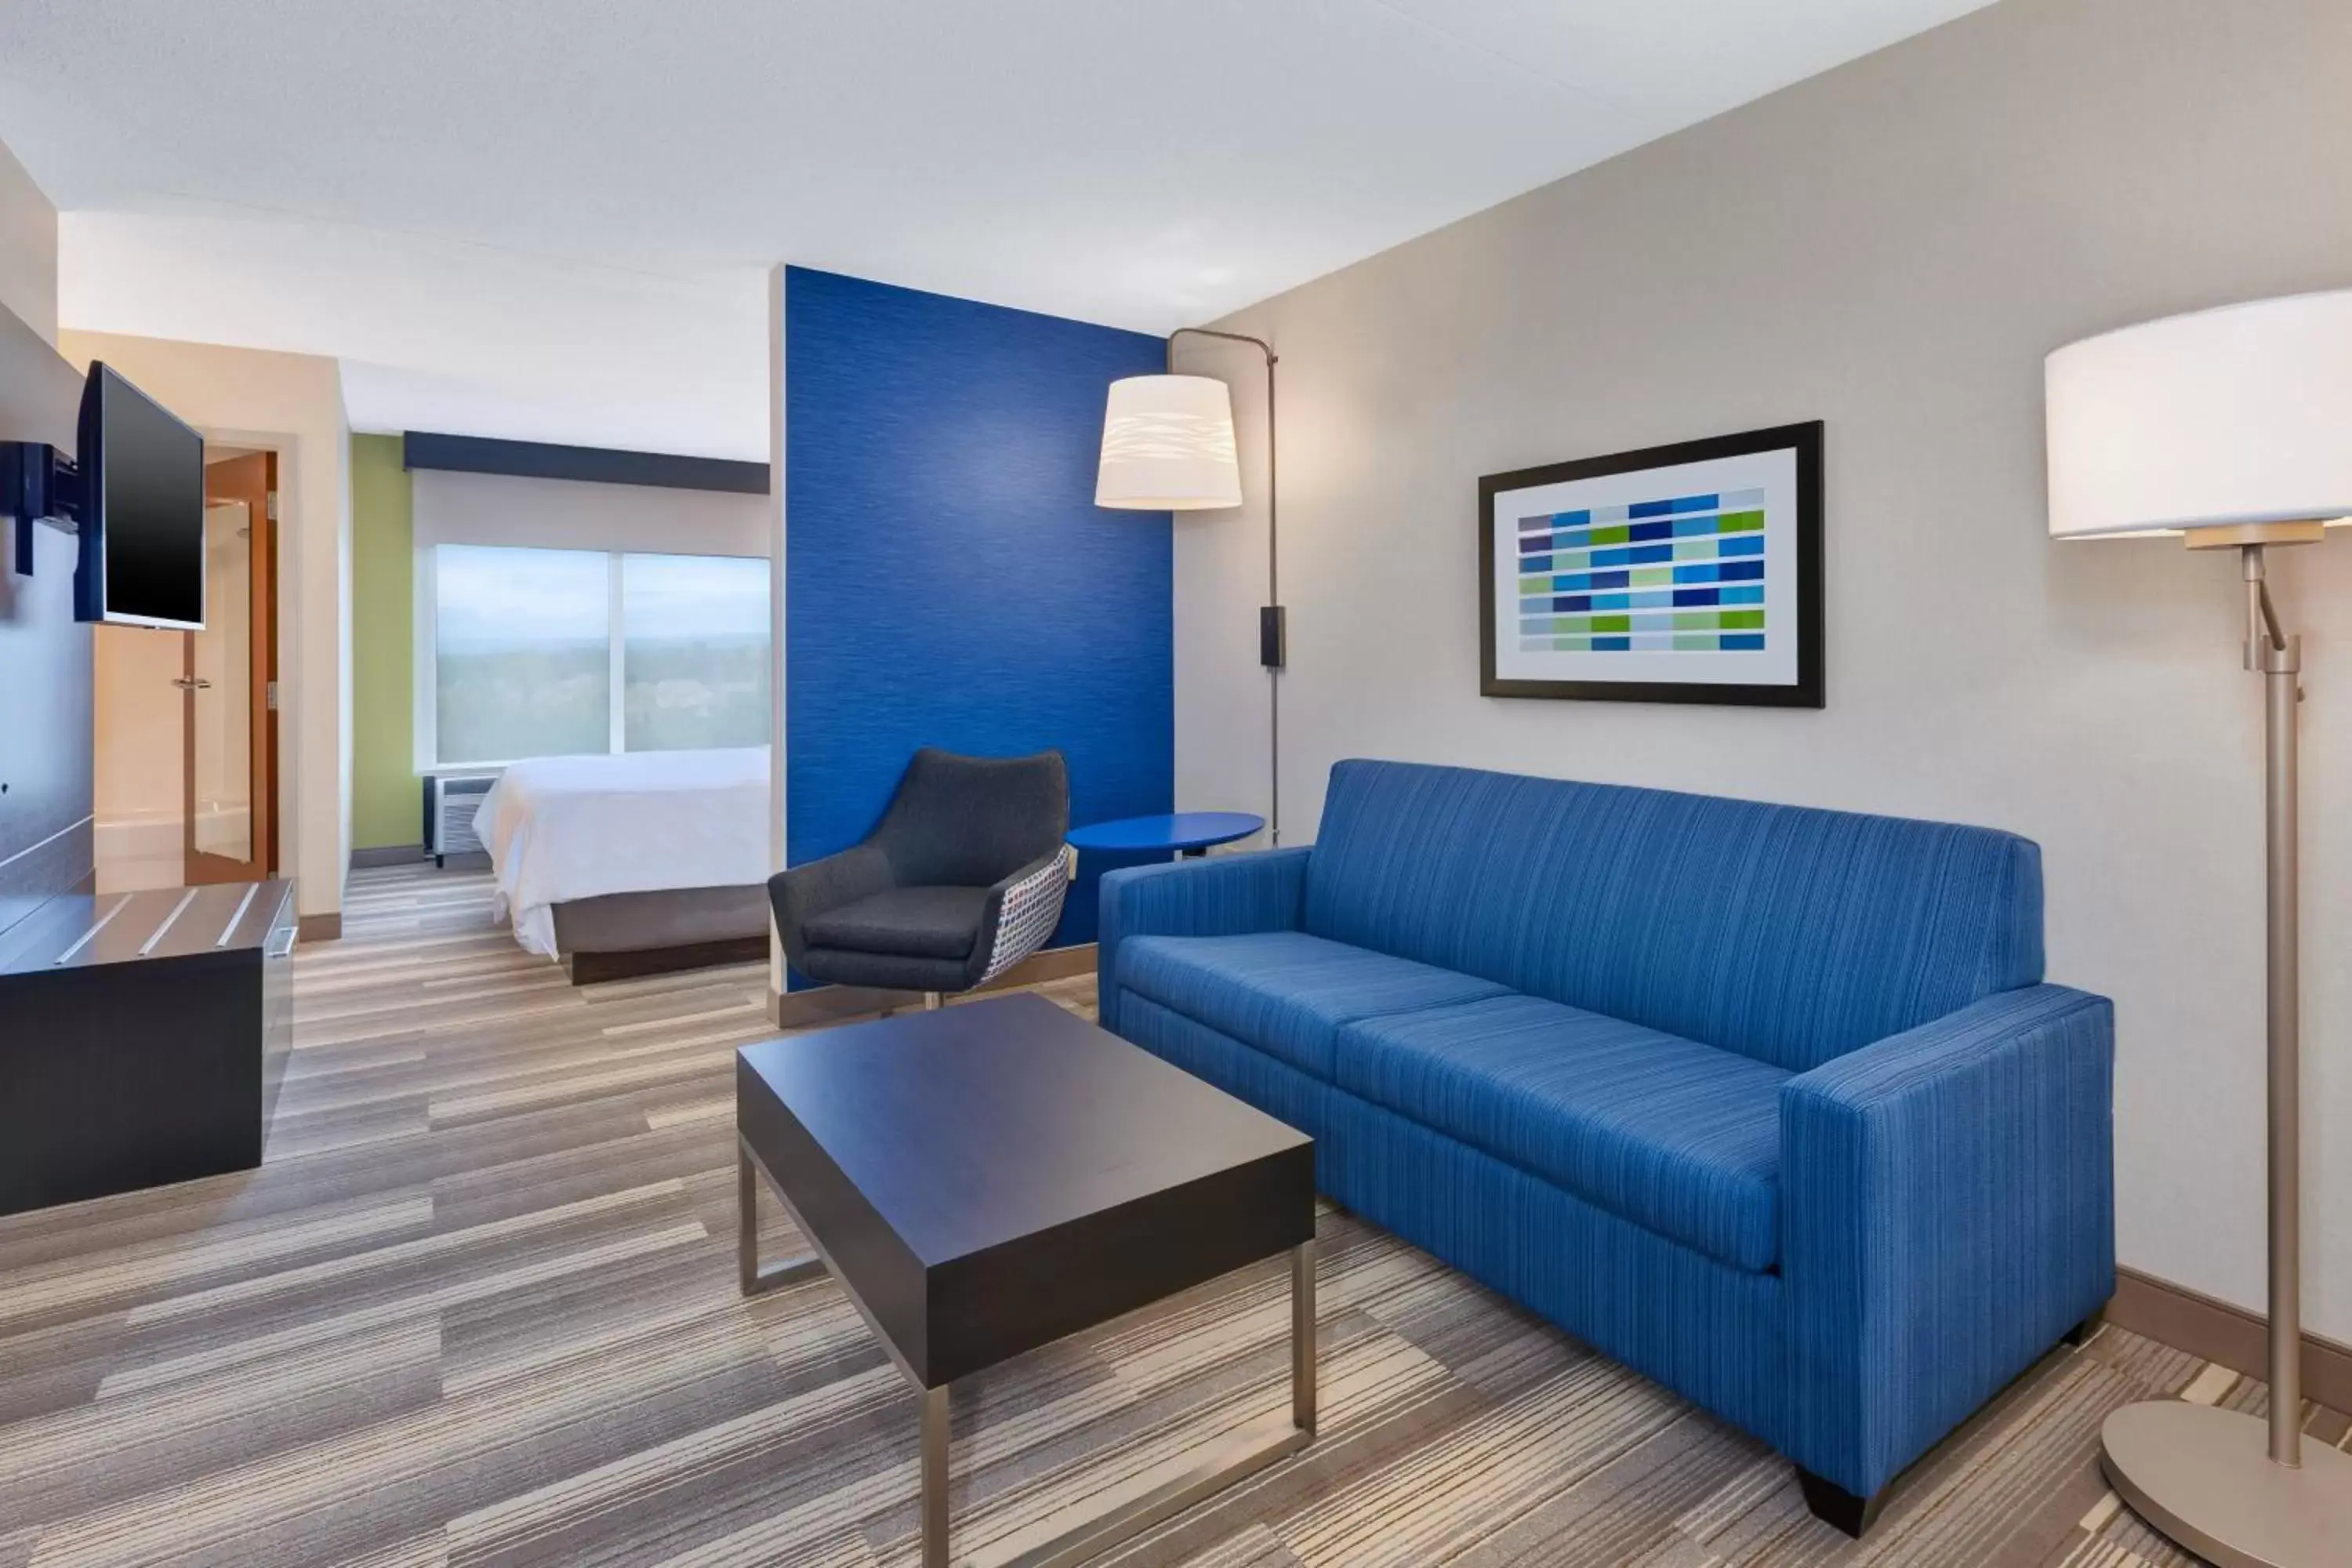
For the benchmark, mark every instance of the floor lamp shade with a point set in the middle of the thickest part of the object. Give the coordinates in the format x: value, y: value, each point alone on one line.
x: 2236, y: 415
x: 1167, y: 446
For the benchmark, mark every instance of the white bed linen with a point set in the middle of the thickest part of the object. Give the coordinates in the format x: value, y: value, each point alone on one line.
x: 560, y: 828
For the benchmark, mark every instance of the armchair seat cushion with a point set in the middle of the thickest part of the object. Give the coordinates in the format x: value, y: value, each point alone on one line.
x: 1284, y: 992
x: 906, y: 922
x: 1678, y: 1137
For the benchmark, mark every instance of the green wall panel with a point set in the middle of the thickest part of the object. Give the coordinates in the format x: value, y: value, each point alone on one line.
x: 387, y: 804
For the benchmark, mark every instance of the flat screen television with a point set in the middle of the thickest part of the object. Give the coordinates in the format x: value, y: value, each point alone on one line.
x: 142, y: 509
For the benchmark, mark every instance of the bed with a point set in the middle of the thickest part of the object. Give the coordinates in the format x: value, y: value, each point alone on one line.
x: 633, y: 863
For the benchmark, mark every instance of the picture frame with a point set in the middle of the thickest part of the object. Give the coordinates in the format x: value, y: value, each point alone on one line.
x: 1686, y: 573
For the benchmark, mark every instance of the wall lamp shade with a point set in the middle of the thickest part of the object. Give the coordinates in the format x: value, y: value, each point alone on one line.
x: 1167, y: 446
x: 2242, y: 414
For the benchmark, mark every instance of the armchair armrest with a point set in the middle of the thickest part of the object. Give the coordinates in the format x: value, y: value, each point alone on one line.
x: 802, y: 893
x: 1220, y: 895
x: 1948, y: 1212
x: 1021, y: 911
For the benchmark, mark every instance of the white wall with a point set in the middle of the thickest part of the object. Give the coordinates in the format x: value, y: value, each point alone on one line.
x: 45, y: 657
x: 1891, y: 247
x: 40, y: 392
x: 779, y: 534
x: 28, y: 249
x: 436, y: 334
x: 294, y: 403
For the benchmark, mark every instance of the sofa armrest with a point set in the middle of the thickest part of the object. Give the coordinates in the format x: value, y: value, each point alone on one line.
x: 1218, y: 895
x: 803, y: 892
x: 1947, y: 1202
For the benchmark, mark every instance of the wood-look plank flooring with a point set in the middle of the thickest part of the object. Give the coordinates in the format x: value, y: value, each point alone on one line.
x: 479, y: 1307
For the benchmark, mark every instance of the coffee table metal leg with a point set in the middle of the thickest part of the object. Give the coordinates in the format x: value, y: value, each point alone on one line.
x: 749, y: 1274
x: 1302, y: 1337
x: 935, y: 1476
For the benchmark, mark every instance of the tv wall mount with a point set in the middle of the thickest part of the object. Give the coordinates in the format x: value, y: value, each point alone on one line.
x: 38, y: 484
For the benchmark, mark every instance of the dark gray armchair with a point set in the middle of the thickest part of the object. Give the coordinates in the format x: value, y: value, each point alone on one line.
x: 964, y: 880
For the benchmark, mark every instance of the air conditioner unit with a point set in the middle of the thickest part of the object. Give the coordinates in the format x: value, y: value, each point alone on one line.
x: 450, y: 803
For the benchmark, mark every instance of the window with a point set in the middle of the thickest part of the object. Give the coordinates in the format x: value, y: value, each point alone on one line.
x: 539, y: 653
x: 521, y: 665
x: 694, y: 652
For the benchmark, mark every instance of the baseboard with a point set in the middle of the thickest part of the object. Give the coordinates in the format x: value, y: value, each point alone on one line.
x: 320, y: 928
x: 1051, y: 964
x: 2218, y: 1331
x: 389, y: 854
x: 827, y: 1004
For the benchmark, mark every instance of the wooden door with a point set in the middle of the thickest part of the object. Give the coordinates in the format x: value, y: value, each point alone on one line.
x: 230, y: 678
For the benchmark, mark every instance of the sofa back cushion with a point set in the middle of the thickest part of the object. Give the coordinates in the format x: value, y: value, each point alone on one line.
x: 1788, y: 934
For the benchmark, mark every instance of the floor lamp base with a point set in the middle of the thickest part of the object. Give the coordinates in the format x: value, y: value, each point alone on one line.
x: 2204, y: 1478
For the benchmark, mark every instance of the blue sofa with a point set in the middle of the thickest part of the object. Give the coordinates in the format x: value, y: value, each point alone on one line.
x: 1768, y: 1103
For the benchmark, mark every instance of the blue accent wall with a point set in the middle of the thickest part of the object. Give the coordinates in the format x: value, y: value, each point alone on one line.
x: 948, y: 580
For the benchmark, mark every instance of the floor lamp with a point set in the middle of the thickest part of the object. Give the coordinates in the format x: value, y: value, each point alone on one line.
x: 1167, y: 446
x: 2234, y: 427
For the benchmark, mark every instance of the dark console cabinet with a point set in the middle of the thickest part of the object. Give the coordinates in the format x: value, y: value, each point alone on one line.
x: 143, y: 1038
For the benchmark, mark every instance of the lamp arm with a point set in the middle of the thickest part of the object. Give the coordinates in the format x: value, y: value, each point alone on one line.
x: 1273, y: 490
x: 1273, y: 574
x: 1264, y: 347
x: 2261, y: 618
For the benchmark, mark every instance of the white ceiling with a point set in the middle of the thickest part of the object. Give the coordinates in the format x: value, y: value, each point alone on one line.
x: 549, y: 218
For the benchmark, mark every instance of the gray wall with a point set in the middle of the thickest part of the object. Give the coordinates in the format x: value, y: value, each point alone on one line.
x: 44, y: 656
x: 1891, y: 247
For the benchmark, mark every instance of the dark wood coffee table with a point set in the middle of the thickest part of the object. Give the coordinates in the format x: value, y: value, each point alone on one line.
x: 987, y: 1178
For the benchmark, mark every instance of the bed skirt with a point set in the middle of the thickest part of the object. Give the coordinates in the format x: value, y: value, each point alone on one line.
x: 619, y: 934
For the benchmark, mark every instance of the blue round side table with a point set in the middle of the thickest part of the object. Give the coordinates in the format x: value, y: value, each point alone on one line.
x: 1183, y: 833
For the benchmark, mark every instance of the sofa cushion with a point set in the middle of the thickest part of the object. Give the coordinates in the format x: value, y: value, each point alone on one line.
x: 906, y: 922
x: 1283, y: 991
x: 1678, y: 1137
x: 1787, y: 934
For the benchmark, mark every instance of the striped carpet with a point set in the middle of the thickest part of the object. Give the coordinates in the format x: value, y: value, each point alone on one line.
x: 479, y: 1307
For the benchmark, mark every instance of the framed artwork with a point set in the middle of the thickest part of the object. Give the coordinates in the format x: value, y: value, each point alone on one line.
x: 1683, y: 573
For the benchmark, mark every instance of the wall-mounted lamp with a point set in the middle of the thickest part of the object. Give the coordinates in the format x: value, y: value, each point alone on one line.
x: 1167, y: 446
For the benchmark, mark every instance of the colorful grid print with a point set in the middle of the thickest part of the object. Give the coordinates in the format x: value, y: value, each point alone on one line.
x: 1685, y: 575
